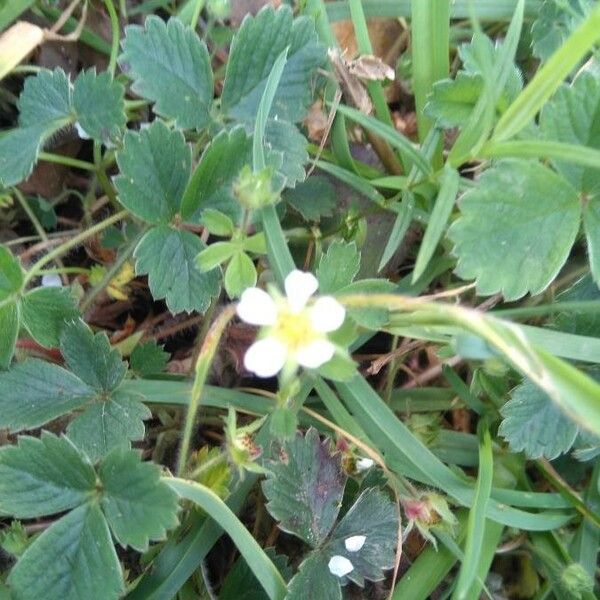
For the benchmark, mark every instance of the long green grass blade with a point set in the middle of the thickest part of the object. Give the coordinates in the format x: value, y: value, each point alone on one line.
x: 10, y: 10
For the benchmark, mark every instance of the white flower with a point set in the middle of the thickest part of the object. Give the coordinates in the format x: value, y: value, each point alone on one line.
x: 294, y: 332
x: 355, y: 542
x: 340, y: 566
x: 363, y: 464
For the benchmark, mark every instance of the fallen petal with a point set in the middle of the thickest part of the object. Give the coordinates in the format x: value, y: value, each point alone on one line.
x: 340, y: 566
x: 355, y: 542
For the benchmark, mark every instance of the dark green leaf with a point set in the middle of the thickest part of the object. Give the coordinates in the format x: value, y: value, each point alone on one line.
x: 314, y: 580
x: 255, y: 48
x: 516, y: 229
x: 371, y: 318
x: 452, y: 100
x: 148, y: 359
x: 168, y: 257
x: 35, y: 392
x: 107, y: 424
x: 11, y: 275
x: 73, y: 559
x: 43, y: 477
x: 305, y: 487
x: 44, y: 311
x: 91, y: 357
x: 99, y: 103
x: 138, y: 505
x: 338, y: 267
x: 579, y: 323
x: 155, y: 168
x: 313, y: 198
x: 170, y: 65
x: 286, y: 151
x: 19, y: 150
x: 9, y: 326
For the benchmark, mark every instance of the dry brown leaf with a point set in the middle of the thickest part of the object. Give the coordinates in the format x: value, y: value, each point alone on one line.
x: 17, y: 43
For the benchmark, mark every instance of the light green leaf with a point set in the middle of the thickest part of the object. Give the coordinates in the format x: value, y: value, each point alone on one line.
x: 170, y: 65
x: 107, y: 424
x: 239, y: 275
x: 304, y: 488
x: 256, y: 46
x: 35, y: 392
x: 591, y: 226
x: 46, y: 99
x: 44, y: 311
x: 148, y: 359
x: 138, y: 506
x: 19, y: 150
x: 536, y: 425
x: 99, y: 103
x: 9, y: 326
x: 43, y: 477
x: 314, y: 580
x: 91, y: 357
x: 516, y: 229
x: 73, y: 559
x: 11, y: 275
x: 168, y: 257
x: 155, y: 167
x: 371, y: 318
x: 572, y: 116
x: 338, y: 267
x: 217, y: 223
x: 313, y: 198
x: 556, y: 20
x: 215, y: 254
x: 211, y: 185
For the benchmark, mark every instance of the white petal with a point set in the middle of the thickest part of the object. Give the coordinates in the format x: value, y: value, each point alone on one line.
x: 327, y: 314
x: 299, y: 287
x: 51, y: 280
x: 315, y: 354
x: 355, y: 542
x: 340, y: 566
x: 81, y: 132
x: 265, y: 357
x: 362, y: 464
x: 257, y: 307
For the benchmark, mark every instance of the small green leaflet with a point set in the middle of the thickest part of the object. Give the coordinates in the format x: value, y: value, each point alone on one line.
x: 338, y: 267
x: 313, y: 198
x: 148, y: 359
x: 170, y: 65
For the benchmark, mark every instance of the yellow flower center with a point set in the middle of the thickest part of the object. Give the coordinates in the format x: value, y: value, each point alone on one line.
x: 294, y: 329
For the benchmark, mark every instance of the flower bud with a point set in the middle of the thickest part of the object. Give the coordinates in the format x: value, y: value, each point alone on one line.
x: 253, y: 189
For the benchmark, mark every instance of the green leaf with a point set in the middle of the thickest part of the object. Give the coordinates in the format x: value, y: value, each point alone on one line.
x: 217, y: 223
x: 44, y: 311
x: 91, y: 357
x: 155, y: 167
x: 170, y: 65
x: 240, y: 274
x: 9, y: 326
x: 371, y: 318
x: 256, y: 46
x: 19, y: 150
x: 148, y: 359
x: 286, y: 151
x: 73, y: 559
x: 168, y: 257
x: 556, y: 20
x: 374, y: 516
x: 536, y: 425
x: 46, y: 99
x: 43, y: 477
x: 35, y: 392
x: 11, y: 275
x: 107, y: 424
x: 99, y: 103
x: 338, y: 267
x: 304, y: 488
x: 211, y: 185
x: 138, y: 506
x: 580, y: 323
x: 572, y: 116
x: 516, y: 229
x: 215, y: 254
x: 313, y: 198
x: 591, y: 226
x: 314, y: 580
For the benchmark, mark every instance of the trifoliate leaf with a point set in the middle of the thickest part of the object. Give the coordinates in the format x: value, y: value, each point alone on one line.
x: 338, y: 267
x: 170, y: 65
x: 46, y: 99
x: 255, y: 48
x: 71, y: 560
x: 211, y: 185
x: 533, y: 423
x: 11, y: 275
x: 90, y: 356
x: 107, y: 424
x: 44, y: 311
x: 99, y: 103
x: 314, y: 580
x: 516, y: 229
x: 35, y: 392
x: 556, y: 20
x: 375, y: 517
x: 168, y: 257
x: 305, y: 487
x: 148, y: 359
x: 240, y: 274
x: 9, y: 326
x: 313, y: 198
x: 155, y: 167
x: 138, y: 505
x: 42, y: 477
